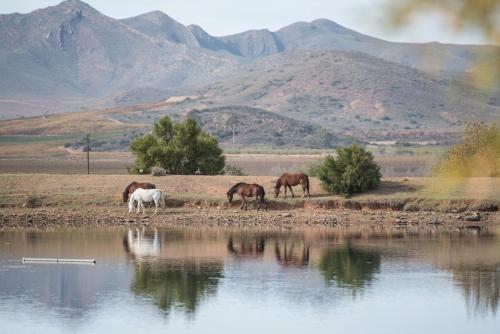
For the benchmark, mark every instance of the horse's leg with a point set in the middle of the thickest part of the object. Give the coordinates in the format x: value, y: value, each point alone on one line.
x: 243, y: 202
x: 289, y: 186
x: 285, y: 189
x: 138, y: 207
x: 156, y: 207
x: 303, y: 190
x: 257, y: 200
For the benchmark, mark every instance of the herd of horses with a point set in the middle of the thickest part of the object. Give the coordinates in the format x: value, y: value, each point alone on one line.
x: 147, y: 193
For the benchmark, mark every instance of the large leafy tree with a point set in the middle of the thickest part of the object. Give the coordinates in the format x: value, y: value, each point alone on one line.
x: 180, y: 148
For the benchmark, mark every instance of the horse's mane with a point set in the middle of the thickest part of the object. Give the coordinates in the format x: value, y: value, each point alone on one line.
x: 234, y: 188
x: 278, y: 183
x: 125, y: 192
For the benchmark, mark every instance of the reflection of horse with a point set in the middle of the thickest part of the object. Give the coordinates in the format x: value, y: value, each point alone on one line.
x: 245, y: 247
x: 288, y: 180
x: 133, y: 186
x: 138, y: 244
x: 146, y: 195
x: 248, y: 190
x: 288, y: 257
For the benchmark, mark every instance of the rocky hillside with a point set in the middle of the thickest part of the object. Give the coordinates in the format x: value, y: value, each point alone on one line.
x: 244, y: 126
x: 354, y: 94
x: 307, y: 76
x: 72, y: 50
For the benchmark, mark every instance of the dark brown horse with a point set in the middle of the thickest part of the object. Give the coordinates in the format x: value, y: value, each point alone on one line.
x: 133, y: 186
x: 248, y: 190
x: 288, y: 180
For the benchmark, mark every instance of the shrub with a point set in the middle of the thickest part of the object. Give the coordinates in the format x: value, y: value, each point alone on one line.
x: 411, y: 207
x: 233, y: 170
x: 476, y: 154
x: 181, y: 148
x: 352, y: 171
x: 158, y: 171
x: 313, y: 169
x: 32, y: 201
x: 320, y: 138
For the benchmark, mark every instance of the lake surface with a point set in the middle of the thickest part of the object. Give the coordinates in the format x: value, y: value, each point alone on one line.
x: 251, y: 281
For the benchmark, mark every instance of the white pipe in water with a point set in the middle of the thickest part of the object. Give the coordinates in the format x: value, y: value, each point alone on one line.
x: 57, y: 260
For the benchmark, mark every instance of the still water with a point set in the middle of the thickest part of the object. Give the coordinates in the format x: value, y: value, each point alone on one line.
x: 251, y: 281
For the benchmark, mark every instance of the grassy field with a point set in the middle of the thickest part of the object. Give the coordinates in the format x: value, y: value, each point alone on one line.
x: 105, y: 190
x: 46, y: 154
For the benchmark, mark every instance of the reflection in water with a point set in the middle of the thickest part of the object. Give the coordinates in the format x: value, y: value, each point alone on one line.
x: 173, y: 284
x: 273, y: 275
x: 288, y: 253
x: 142, y: 244
x: 349, y: 267
x: 481, y: 288
x: 246, y: 247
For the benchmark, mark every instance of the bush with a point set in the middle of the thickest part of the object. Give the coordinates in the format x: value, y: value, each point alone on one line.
x: 158, y: 171
x: 320, y: 138
x: 181, y: 148
x: 32, y: 201
x: 476, y: 154
x: 352, y: 171
x: 314, y: 168
x: 233, y: 170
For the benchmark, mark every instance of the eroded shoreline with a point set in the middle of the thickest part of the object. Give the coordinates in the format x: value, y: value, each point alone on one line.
x: 230, y: 217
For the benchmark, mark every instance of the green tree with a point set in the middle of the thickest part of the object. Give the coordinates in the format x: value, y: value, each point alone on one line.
x: 352, y: 171
x: 181, y: 148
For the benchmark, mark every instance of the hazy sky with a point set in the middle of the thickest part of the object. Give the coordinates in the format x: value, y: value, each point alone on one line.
x: 223, y: 17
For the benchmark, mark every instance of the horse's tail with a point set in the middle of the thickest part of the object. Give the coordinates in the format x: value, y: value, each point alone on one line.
x: 162, y: 199
x: 306, y: 184
x: 262, y: 196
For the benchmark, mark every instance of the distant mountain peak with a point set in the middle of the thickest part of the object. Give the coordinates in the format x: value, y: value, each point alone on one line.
x: 155, y: 15
x: 74, y: 4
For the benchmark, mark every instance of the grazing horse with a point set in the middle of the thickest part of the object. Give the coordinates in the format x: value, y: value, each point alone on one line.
x: 248, y: 190
x: 287, y: 180
x: 146, y: 195
x: 133, y: 186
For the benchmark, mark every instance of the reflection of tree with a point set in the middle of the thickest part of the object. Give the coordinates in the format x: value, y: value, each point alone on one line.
x: 177, y: 284
x: 246, y: 246
x: 481, y: 288
x: 291, y: 255
x: 349, y: 267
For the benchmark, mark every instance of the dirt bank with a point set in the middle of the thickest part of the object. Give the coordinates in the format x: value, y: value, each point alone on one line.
x: 45, y: 199
x: 230, y: 217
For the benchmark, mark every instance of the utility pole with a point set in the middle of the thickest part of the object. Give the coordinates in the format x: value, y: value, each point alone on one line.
x: 88, y: 154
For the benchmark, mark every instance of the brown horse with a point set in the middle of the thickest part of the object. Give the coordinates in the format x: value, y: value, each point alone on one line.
x: 288, y: 180
x: 248, y: 190
x: 133, y: 186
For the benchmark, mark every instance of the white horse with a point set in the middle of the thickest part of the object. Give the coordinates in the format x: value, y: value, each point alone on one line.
x: 145, y: 195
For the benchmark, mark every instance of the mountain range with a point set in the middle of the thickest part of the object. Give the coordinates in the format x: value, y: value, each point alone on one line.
x: 70, y: 57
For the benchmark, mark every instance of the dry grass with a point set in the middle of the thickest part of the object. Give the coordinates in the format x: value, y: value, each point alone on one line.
x: 83, y: 190
x: 51, y: 158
